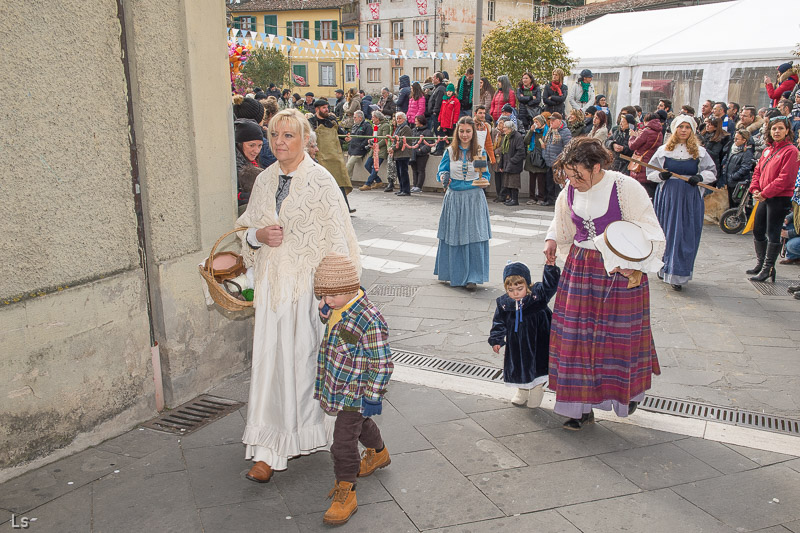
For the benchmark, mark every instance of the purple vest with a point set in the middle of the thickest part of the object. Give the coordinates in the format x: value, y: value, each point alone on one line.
x: 589, y: 229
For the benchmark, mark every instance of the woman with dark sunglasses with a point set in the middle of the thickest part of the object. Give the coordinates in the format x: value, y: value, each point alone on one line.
x: 772, y: 187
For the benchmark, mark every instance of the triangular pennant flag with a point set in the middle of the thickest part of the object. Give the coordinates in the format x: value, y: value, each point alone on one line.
x: 341, y: 46
x: 316, y: 43
x: 280, y: 39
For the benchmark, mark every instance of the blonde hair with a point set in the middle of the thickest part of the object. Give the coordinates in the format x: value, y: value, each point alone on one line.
x: 295, y: 120
x: 691, y: 145
x: 514, y: 280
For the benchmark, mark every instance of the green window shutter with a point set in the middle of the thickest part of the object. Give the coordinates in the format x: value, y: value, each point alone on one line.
x: 237, y: 23
x: 271, y: 24
x: 305, y: 29
x: 316, y: 29
x: 335, y: 34
x: 253, y: 24
x: 289, y: 28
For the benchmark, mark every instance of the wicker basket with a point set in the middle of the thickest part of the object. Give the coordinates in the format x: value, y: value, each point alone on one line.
x: 218, y: 293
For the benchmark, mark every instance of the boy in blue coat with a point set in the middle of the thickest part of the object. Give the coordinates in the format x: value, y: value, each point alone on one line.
x: 522, y: 324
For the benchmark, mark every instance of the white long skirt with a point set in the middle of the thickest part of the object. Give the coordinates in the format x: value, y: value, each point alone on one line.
x: 283, y: 418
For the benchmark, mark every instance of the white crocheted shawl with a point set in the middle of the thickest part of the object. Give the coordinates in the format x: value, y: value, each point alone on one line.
x: 636, y: 207
x: 315, y: 223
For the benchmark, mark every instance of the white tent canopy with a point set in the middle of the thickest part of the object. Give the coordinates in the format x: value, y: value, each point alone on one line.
x: 697, y: 52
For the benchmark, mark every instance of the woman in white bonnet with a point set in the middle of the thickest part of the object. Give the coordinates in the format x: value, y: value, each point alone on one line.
x: 679, y: 204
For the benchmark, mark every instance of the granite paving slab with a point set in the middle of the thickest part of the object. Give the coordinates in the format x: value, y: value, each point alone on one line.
x: 135, y: 501
x: 524, y: 490
x: 138, y: 442
x: 750, y: 500
x: 217, y: 476
x: 398, y: 434
x: 470, y: 403
x: 40, y: 486
x: 559, y: 444
x: 227, y: 430
x: 542, y: 521
x: 659, y: 466
x: 762, y: 457
x: 308, y: 480
x: 469, y: 447
x: 432, y: 492
x: 422, y: 405
x: 513, y: 420
x: 71, y: 512
x: 716, y: 455
x: 639, y: 436
x: 381, y: 517
x: 270, y: 514
x: 660, y: 511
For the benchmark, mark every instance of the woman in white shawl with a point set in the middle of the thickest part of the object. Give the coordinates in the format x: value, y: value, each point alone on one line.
x: 296, y: 216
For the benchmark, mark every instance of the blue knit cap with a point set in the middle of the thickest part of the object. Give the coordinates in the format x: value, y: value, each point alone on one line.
x: 517, y: 269
x: 784, y: 67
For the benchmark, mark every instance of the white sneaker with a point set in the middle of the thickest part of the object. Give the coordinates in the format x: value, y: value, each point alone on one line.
x: 536, y: 396
x: 416, y: 189
x: 520, y: 397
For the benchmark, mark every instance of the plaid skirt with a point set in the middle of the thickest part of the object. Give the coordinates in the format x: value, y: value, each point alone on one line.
x: 602, y: 353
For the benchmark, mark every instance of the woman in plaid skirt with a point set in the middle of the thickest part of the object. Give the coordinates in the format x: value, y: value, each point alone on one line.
x: 601, y: 348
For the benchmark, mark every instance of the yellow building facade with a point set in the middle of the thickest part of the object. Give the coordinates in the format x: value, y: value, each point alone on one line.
x: 334, y: 21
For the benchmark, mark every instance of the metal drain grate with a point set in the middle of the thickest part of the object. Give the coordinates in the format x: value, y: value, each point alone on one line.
x: 774, y: 289
x: 672, y: 406
x: 193, y: 415
x: 393, y: 290
x: 725, y: 415
x: 470, y: 370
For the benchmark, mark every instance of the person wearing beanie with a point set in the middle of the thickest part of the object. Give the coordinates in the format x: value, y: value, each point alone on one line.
x: 307, y: 105
x: 450, y: 111
x: 588, y: 119
x: 338, y: 107
x: 296, y: 216
x: 354, y: 366
x: 248, y: 108
x: 787, y: 80
x: 521, y: 324
x: 273, y: 91
x: 581, y: 94
x: 508, y: 113
x: 249, y: 140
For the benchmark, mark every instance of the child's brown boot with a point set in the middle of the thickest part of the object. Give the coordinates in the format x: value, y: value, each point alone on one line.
x: 372, y: 460
x: 344, y: 503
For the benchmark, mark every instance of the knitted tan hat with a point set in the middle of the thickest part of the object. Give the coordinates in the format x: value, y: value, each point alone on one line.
x: 335, y: 275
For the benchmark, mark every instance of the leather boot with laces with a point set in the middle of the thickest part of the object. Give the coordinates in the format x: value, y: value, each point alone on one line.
x: 344, y: 503
x: 372, y: 460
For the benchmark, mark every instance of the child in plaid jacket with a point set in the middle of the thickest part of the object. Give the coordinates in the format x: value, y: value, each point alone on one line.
x: 353, y: 368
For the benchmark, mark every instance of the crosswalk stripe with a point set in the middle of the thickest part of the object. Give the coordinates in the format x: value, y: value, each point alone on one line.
x: 400, y: 246
x: 524, y: 232
x: 384, y: 265
x: 543, y: 214
x: 428, y: 233
x: 520, y: 220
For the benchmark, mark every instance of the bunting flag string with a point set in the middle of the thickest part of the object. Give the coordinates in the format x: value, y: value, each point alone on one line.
x: 312, y: 49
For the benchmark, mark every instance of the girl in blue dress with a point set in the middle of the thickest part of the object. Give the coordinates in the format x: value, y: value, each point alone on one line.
x: 679, y: 204
x: 464, y: 229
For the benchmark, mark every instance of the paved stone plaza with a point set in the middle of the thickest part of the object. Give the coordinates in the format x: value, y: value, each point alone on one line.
x: 719, y: 341
x: 469, y: 463
x: 460, y: 463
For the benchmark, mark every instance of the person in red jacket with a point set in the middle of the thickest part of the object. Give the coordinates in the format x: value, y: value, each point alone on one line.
x: 450, y: 110
x: 504, y: 95
x: 772, y: 186
x: 787, y: 79
x: 644, y: 142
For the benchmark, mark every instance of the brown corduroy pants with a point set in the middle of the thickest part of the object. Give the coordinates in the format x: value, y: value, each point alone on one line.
x: 350, y: 429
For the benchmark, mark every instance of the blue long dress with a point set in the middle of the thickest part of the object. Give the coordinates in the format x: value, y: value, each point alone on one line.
x: 680, y: 209
x: 464, y: 228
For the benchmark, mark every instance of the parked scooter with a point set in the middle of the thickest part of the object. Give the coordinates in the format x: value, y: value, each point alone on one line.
x: 734, y: 219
